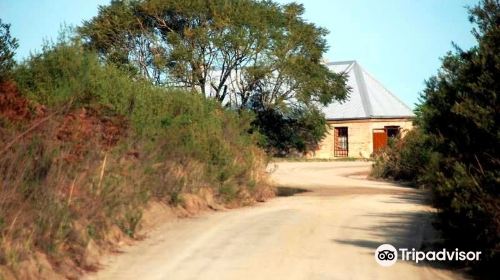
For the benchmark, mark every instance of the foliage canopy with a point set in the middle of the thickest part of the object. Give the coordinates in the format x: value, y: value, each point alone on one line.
x: 246, y: 54
x: 234, y: 51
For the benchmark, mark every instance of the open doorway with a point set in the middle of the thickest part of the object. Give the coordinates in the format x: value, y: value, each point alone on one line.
x: 341, y: 145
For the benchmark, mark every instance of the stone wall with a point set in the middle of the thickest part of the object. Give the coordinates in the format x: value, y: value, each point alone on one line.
x: 360, y: 136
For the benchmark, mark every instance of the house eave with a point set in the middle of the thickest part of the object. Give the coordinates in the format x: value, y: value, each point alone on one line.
x: 372, y: 118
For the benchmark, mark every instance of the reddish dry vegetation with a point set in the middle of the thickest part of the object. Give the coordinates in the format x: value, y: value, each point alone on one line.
x: 66, y: 196
x: 85, y: 129
x: 12, y: 106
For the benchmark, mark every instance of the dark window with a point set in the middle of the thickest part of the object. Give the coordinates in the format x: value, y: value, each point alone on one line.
x: 341, y: 142
x: 392, y: 131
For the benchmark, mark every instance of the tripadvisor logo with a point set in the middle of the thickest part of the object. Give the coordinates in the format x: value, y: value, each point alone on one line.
x: 387, y: 255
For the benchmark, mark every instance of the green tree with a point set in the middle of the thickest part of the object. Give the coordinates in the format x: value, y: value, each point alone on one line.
x: 460, y: 114
x: 229, y: 50
x: 8, y: 45
x: 246, y: 54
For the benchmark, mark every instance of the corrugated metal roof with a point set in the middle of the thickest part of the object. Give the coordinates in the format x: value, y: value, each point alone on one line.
x: 368, y: 98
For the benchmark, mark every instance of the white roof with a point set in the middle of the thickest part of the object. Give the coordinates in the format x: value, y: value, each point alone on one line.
x: 368, y: 98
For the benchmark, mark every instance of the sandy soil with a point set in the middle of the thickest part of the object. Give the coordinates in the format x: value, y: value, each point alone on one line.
x: 328, y: 231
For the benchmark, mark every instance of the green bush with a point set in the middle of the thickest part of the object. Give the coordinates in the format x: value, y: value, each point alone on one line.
x: 175, y: 124
x: 460, y: 114
x: 405, y: 158
x: 64, y: 183
x: 459, y: 120
x: 298, y: 131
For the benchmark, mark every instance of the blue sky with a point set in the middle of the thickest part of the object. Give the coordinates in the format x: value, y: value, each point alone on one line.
x: 400, y: 42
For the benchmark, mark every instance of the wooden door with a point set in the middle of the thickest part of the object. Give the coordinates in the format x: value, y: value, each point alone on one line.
x: 379, y: 139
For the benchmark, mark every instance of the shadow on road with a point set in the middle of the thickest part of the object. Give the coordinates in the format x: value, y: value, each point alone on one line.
x: 289, y: 191
x: 407, y: 229
x: 413, y: 197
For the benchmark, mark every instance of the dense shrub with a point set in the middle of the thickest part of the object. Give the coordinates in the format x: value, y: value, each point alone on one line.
x: 89, y: 145
x: 459, y: 118
x: 460, y: 114
x: 405, y: 158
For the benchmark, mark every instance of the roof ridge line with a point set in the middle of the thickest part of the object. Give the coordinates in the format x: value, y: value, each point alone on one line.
x: 363, y: 91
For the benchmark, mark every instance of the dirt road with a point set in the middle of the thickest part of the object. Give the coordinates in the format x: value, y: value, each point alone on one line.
x: 329, y: 232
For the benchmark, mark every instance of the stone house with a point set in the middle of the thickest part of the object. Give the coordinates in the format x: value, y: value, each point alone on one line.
x: 364, y: 123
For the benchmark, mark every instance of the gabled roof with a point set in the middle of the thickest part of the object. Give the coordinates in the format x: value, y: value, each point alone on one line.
x: 368, y: 98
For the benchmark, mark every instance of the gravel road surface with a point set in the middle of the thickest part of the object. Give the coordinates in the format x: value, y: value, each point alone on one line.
x: 328, y: 230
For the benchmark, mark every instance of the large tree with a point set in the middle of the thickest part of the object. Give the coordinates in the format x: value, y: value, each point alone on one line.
x: 235, y: 51
x: 247, y: 54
